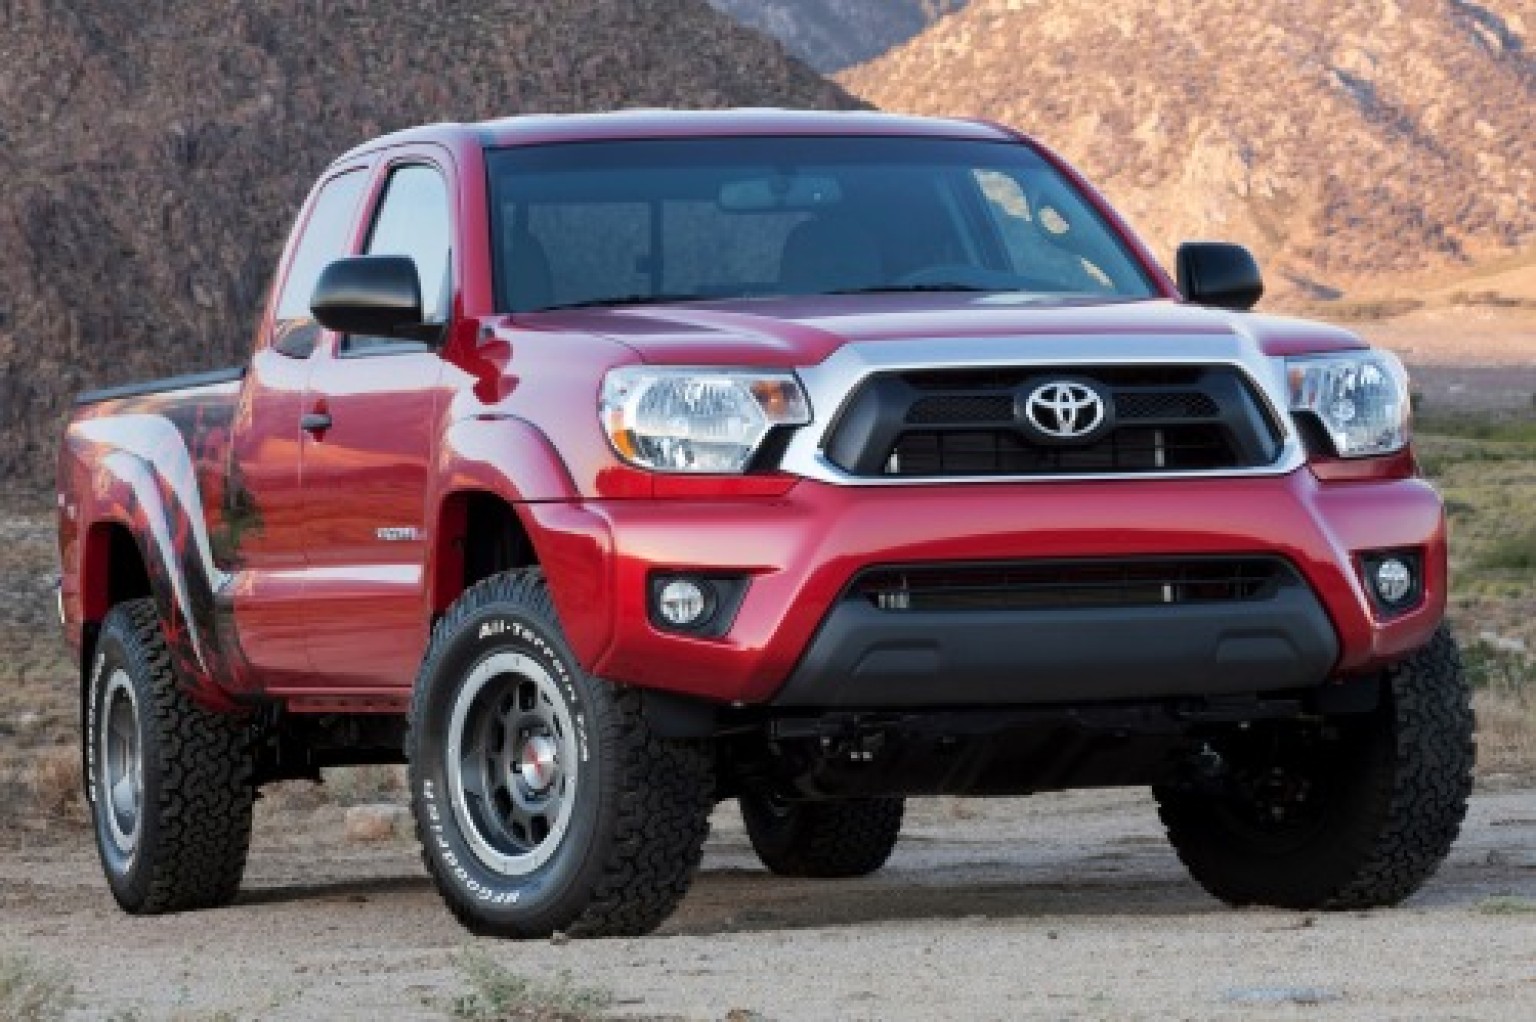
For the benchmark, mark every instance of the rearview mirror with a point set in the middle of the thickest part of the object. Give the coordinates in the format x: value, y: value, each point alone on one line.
x: 1219, y: 274
x: 376, y: 296
x: 778, y: 193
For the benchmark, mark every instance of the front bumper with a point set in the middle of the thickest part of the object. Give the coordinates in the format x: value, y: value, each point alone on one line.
x: 802, y: 549
x: 863, y: 657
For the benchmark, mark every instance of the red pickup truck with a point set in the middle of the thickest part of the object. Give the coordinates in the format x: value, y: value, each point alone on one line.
x: 606, y: 467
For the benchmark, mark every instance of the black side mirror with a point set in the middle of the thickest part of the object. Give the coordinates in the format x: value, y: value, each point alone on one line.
x: 1219, y: 274
x: 376, y: 296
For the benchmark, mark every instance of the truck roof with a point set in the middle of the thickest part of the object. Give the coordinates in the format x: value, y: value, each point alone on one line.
x: 655, y: 123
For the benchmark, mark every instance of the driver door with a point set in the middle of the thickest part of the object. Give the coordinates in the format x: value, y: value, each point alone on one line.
x: 371, y: 422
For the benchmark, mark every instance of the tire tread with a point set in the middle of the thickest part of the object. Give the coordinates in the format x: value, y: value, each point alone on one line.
x: 202, y: 832
x: 1417, y: 797
x: 826, y: 840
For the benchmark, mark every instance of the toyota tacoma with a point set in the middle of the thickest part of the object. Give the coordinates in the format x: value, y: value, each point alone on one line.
x: 603, y: 468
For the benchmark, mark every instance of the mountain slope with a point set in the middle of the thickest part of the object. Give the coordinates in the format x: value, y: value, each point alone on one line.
x: 1346, y: 142
x: 834, y: 34
x: 154, y: 154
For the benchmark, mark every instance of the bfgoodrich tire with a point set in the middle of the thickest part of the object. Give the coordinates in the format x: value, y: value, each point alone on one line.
x: 838, y: 839
x: 169, y: 783
x: 542, y: 801
x: 1355, y: 812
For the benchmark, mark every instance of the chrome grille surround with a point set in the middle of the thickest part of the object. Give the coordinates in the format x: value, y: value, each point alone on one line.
x: 832, y: 383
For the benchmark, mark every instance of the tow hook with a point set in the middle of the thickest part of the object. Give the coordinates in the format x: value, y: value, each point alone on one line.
x: 850, y: 738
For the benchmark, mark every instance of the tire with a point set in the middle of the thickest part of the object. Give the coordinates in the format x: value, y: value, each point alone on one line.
x: 1356, y: 813
x: 168, y: 782
x: 827, y: 840
x: 542, y: 801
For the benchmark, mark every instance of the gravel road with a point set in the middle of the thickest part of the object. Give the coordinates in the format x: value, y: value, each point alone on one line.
x: 1061, y: 906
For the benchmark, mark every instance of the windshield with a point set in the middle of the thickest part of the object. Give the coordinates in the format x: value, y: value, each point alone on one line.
x: 629, y: 222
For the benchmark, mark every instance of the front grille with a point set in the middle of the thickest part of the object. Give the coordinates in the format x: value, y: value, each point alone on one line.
x: 1052, y: 584
x: 934, y: 423
x: 1005, y: 452
x: 988, y: 408
x: 1168, y: 405
x: 963, y: 408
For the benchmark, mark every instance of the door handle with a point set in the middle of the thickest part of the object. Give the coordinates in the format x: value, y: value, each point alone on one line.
x: 315, y: 422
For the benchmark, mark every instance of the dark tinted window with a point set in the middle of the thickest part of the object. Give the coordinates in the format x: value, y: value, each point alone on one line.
x: 729, y: 218
x: 326, y: 235
x: 413, y: 220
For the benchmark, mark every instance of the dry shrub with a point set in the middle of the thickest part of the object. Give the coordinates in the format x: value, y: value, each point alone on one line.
x: 365, y: 785
x: 30, y: 992
x: 297, y: 796
x: 1503, y: 679
x: 1506, y: 732
x: 56, y: 783
x: 343, y: 786
x: 496, y: 994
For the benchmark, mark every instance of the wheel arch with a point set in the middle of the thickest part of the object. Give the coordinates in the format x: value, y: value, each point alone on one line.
x: 113, y: 570
x: 507, y: 500
x: 479, y: 533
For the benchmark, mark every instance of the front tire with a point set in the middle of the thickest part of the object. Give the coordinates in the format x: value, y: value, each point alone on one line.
x: 542, y: 801
x: 1355, y: 812
x: 169, y: 782
x: 826, y: 840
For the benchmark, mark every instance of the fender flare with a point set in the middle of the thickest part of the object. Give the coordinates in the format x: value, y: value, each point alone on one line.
x: 142, y: 477
x: 506, y: 455
x: 512, y: 459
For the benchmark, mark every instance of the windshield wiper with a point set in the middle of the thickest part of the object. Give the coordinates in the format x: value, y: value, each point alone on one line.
x: 620, y: 300
x: 880, y: 289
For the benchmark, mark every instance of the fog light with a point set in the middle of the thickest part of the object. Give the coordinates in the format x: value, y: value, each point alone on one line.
x: 682, y: 602
x: 1393, y: 580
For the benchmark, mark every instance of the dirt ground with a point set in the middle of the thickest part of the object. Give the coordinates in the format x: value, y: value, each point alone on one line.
x: 1062, y: 906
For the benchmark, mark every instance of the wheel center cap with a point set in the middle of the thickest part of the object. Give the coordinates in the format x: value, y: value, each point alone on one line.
x: 538, y: 762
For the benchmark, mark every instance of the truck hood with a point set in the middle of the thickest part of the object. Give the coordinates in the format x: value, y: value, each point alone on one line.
x: 803, y: 331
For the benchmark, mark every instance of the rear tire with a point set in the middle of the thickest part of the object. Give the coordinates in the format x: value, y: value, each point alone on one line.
x: 828, y: 840
x: 542, y: 800
x: 1354, y: 813
x: 169, y: 782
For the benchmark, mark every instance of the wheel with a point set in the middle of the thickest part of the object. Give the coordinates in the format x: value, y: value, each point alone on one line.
x: 844, y: 838
x: 169, y: 783
x: 1352, y: 812
x: 541, y: 799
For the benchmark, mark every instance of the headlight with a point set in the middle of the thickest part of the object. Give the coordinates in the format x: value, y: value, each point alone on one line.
x: 697, y: 420
x: 1359, y: 398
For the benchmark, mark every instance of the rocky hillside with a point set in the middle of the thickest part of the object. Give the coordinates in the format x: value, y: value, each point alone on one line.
x: 833, y: 34
x: 153, y: 154
x: 1346, y: 142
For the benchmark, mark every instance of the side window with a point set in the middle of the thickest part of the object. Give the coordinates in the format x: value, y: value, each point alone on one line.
x: 326, y: 236
x: 413, y: 220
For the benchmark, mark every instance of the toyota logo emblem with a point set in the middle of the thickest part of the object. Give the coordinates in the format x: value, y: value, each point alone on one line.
x: 1065, y: 410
